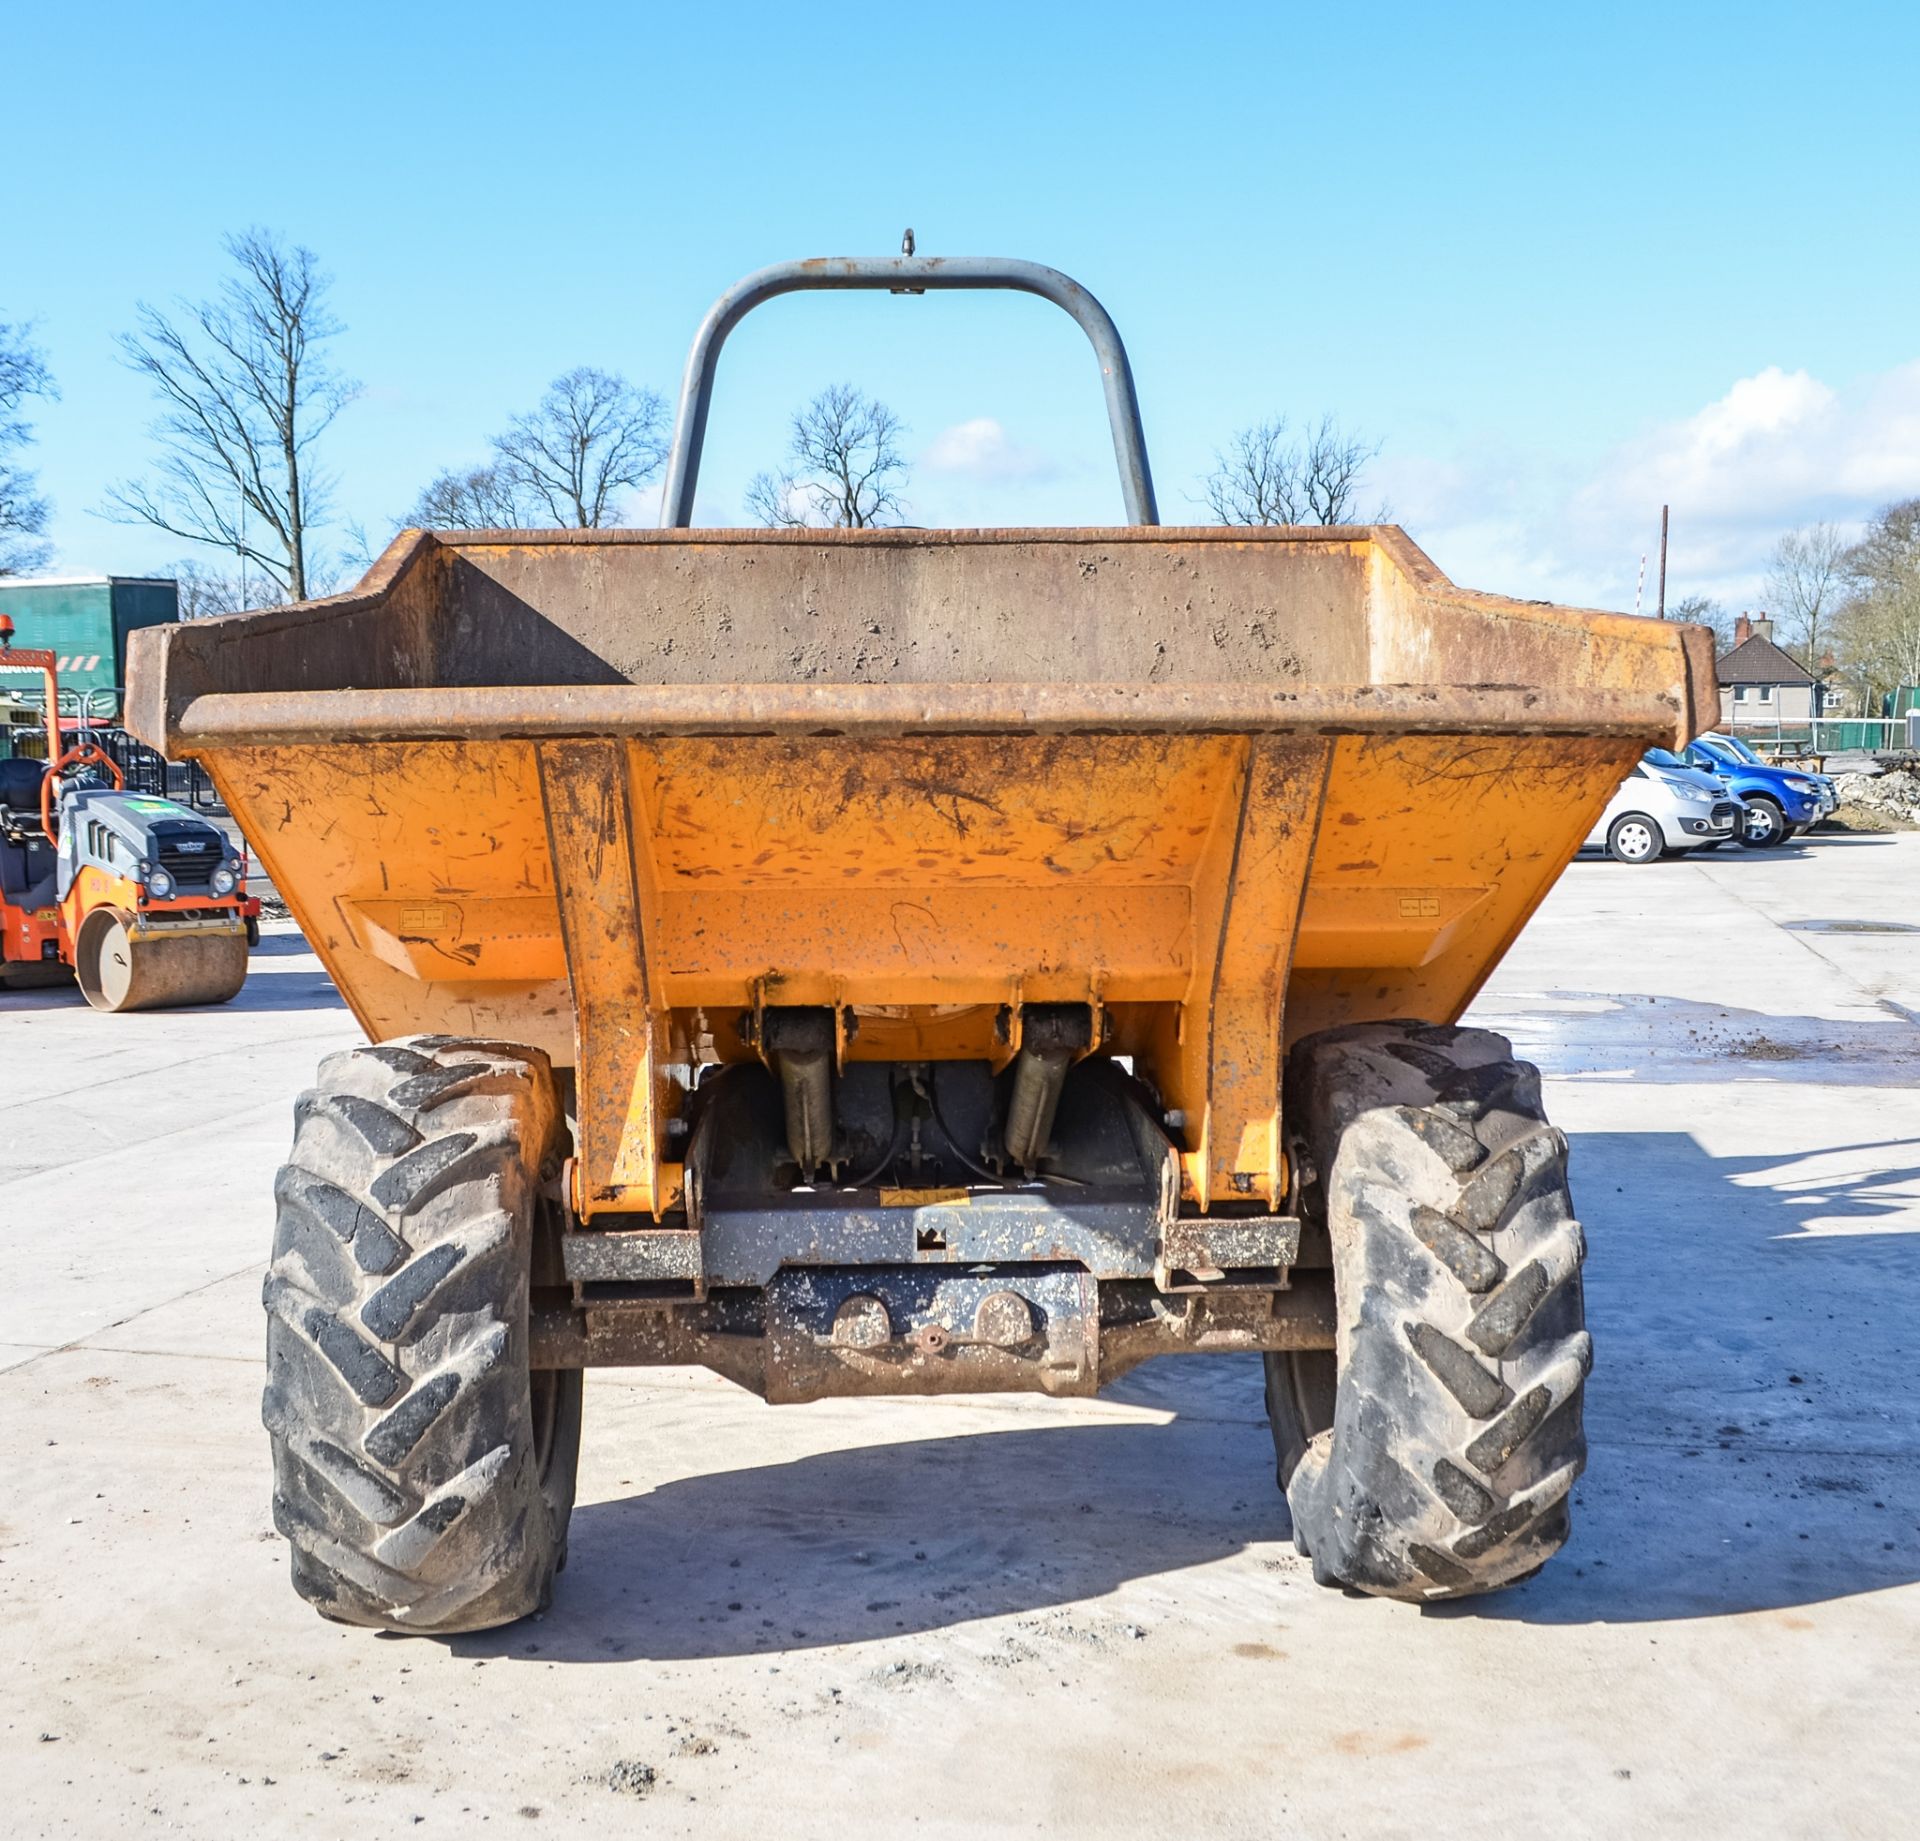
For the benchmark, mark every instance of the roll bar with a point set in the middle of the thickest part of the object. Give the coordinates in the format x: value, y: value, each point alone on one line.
x: 906, y: 275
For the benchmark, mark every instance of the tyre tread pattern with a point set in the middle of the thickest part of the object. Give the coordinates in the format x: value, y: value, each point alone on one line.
x: 1456, y: 1434
x: 397, y: 1398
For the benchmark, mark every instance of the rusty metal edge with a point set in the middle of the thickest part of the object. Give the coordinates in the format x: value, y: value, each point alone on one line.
x: 1421, y: 571
x: 157, y: 714
x: 150, y: 650
x: 540, y: 712
x: 1301, y: 1317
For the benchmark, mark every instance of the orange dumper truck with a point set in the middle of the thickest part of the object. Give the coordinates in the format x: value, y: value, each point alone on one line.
x: 910, y: 961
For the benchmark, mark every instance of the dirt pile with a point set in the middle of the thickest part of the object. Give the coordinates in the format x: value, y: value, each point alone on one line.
x: 1887, y: 801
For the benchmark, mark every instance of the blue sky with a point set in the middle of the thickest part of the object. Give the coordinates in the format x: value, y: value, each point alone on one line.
x: 1560, y: 262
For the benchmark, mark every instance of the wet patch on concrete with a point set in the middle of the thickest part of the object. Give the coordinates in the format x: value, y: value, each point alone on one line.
x: 1651, y: 1040
x: 1850, y: 926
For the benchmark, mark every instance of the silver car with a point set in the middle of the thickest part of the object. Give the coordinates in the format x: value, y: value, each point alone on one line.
x: 1663, y: 807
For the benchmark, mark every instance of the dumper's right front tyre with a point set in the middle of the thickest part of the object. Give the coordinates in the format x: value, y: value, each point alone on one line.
x: 1433, y: 1458
x: 423, y: 1475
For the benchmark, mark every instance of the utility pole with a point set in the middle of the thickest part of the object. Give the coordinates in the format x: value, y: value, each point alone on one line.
x: 1663, y: 561
x: 1640, y: 583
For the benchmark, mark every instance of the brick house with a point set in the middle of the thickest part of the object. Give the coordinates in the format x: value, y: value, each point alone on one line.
x: 1761, y: 687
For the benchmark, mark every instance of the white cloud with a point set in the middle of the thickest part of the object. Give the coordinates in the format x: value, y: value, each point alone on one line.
x: 1778, y: 450
x: 981, y: 450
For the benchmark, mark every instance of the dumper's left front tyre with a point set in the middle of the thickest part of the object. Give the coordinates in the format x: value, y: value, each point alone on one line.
x: 423, y: 1474
x: 1433, y: 1456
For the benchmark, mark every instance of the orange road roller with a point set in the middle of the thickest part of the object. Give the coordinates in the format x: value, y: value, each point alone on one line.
x: 141, y: 900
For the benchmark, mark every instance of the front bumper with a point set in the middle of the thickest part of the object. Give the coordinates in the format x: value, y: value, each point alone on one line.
x: 1802, y: 809
x: 1704, y: 825
x: 154, y: 923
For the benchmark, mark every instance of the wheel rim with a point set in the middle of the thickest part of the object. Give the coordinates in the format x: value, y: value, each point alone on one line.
x: 1760, y: 823
x: 1635, y: 840
x: 108, y: 971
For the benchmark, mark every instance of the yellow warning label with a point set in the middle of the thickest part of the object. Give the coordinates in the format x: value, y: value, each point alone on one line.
x: 431, y: 919
x: 924, y: 1198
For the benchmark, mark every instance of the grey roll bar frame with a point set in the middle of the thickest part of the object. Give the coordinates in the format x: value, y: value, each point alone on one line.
x: 906, y: 275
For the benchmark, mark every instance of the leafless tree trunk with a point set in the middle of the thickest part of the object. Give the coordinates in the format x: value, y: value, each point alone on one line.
x: 1263, y: 478
x: 845, y: 469
x: 1804, y: 588
x: 245, y: 392
x: 23, y: 512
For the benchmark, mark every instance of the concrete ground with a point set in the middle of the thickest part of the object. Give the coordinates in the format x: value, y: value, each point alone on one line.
x: 1014, y: 1615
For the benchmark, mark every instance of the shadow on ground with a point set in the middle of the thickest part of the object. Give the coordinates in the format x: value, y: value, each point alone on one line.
x: 1753, y: 1425
x: 279, y: 943
x: 271, y: 985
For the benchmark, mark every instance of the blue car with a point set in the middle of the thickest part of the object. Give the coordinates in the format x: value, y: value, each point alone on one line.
x: 1780, y: 802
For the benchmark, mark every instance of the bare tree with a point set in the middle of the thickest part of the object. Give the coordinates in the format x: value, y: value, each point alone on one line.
x: 1261, y: 477
x: 1878, y: 625
x: 594, y: 435
x: 481, y: 499
x: 23, y: 512
x: 246, y: 391
x: 845, y: 468
x: 205, y: 592
x: 1256, y: 479
x: 1805, y: 585
x: 1705, y: 612
x: 1331, y: 469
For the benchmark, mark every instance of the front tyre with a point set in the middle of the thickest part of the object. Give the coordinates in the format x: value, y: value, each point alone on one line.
x: 1635, y: 838
x: 1765, y: 824
x: 1436, y: 1461
x: 423, y: 1475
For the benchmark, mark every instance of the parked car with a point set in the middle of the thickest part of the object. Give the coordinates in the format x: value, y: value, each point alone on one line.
x: 1780, y: 802
x: 1663, y: 807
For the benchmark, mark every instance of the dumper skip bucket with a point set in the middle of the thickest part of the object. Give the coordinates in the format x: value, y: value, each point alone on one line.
x: 607, y: 792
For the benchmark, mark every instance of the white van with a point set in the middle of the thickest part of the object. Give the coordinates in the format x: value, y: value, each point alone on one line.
x: 1661, y: 809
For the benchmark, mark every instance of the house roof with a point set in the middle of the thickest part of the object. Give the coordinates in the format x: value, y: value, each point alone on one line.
x: 1760, y: 661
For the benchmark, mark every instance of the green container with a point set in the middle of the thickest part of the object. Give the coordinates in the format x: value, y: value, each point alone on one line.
x: 85, y: 621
